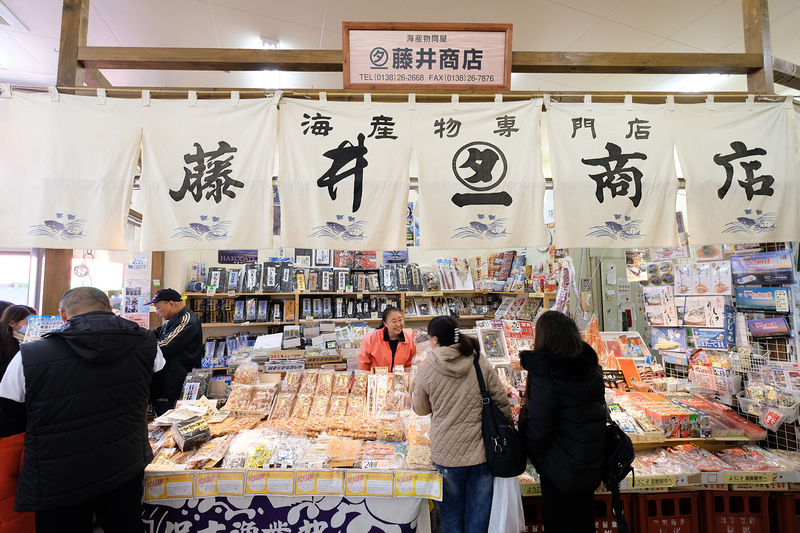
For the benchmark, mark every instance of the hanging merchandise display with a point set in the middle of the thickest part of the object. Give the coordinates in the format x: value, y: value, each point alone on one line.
x: 740, y: 167
x: 344, y: 174
x: 616, y: 162
x: 480, y: 175
x: 207, y: 168
x: 71, y: 172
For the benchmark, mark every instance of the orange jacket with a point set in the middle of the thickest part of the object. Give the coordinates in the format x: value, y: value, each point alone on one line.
x: 10, y: 464
x: 375, y: 351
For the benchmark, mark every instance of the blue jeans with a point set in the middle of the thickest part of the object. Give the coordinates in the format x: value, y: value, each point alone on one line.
x: 466, y: 498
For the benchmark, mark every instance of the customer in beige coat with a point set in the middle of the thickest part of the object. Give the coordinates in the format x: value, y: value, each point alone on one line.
x: 447, y: 387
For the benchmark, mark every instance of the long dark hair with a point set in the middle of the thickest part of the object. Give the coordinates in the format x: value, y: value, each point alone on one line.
x: 445, y: 329
x: 9, y: 346
x: 558, y: 334
x: 385, y: 314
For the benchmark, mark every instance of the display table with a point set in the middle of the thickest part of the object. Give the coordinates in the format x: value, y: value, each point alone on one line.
x: 287, y: 501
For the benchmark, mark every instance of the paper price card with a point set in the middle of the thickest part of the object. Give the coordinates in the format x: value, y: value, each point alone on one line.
x: 380, y: 484
x: 166, y: 487
x: 654, y: 481
x: 759, y: 478
x: 531, y: 489
x: 269, y: 482
x: 435, y: 294
x: 219, y: 484
x: 319, y: 483
x: 418, y: 485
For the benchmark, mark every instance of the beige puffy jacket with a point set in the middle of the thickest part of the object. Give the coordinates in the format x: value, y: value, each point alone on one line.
x: 446, y: 385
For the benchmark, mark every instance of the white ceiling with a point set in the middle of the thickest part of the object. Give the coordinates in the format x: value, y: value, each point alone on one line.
x: 30, y: 57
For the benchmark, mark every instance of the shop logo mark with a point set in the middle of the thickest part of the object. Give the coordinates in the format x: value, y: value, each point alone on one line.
x: 217, y: 231
x: 353, y: 231
x: 762, y: 223
x: 620, y: 228
x: 64, y: 227
x: 483, y: 228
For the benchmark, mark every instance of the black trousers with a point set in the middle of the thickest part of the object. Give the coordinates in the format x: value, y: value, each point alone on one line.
x: 117, y: 511
x: 566, y: 512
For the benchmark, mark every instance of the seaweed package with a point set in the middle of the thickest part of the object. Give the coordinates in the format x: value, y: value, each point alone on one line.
x: 287, y: 277
x: 251, y: 279
x: 191, y: 432
x: 218, y: 278
x: 271, y: 276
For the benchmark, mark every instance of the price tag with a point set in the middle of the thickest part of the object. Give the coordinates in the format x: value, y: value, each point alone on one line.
x: 309, y: 318
x: 782, y: 301
x: 536, y: 295
x: 655, y: 481
x: 531, y: 489
x: 231, y: 294
x: 760, y: 478
x: 375, y: 315
x: 211, y: 290
x: 435, y: 293
x: 374, y: 464
x: 414, y: 293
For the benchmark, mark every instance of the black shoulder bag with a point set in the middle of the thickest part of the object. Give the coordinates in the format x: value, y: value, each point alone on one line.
x: 617, y: 464
x: 505, y: 449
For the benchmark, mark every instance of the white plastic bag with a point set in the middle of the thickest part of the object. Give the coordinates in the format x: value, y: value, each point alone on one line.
x: 507, y: 515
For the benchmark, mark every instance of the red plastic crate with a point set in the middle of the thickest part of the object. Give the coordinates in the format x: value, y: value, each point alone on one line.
x: 667, y: 512
x: 789, y: 512
x: 605, y: 521
x: 735, y: 512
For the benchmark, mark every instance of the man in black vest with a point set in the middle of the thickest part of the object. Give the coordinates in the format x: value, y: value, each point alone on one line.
x: 181, y: 341
x: 85, y: 389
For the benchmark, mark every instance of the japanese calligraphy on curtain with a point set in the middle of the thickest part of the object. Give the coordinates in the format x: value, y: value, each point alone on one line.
x: 740, y: 170
x: 614, y: 178
x: 207, y: 174
x: 480, y: 175
x: 344, y: 171
x: 69, y: 167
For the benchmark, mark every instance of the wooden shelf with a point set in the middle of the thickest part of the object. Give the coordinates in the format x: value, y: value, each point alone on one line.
x: 243, y: 324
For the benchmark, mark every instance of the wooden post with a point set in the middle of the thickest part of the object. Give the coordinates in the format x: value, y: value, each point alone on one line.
x: 57, y: 276
x: 156, y: 273
x: 74, y: 28
x: 757, y: 40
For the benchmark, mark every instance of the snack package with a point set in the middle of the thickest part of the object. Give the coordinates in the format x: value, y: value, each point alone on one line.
x: 302, y: 406
x: 390, y: 429
x: 283, y: 406
x: 343, y: 451
x: 360, y: 382
x: 260, y: 453
x: 246, y: 373
x: 381, y: 455
x: 324, y: 383
x: 263, y: 394
x: 289, y: 451
x: 239, y: 398
x: 211, y: 452
x: 239, y: 447
x: 341, y: 383
x: 419, y: 455
x: 355, y: 405
x: 191, y: 433
x: 309, y: 383
x: 291, y: 383
x: 338, y: 406
x: 417, y: 430
x: 319, y: 405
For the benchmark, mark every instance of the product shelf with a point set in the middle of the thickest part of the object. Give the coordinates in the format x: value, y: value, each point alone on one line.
x: 243, y: 324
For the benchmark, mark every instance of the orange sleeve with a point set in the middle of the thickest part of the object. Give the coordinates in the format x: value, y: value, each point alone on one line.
x: 364, y: 355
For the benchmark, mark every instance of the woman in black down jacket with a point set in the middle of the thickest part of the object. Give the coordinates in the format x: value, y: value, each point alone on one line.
x: 564, y: 426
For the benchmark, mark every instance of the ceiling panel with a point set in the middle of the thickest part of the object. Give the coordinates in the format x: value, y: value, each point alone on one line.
x: 661, y: 18
x: 630, y: 82
x: 173, y: 23
x: 238, y: 29
x: 41, y: 17
x: 545, y: 26
x: 306, y: 12
x: 182, y: 78
x: 596, y: 7
x: 99, y: 33
x: 714, y: 30
x: 368, y: 10
x: 785, y: 41
x: 608, y: 36
x: 14, y: 56
x: 673, y: 47
x: 43, y: 49
x: 124, y: 78
x: 451, y: 11
x: 17, y: 77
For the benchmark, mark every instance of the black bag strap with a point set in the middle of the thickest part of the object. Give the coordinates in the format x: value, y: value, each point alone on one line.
x: 481, y: 383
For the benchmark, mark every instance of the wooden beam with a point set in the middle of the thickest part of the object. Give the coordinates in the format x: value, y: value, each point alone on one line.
x: 331, y: 61
x: 56, y: 279
x: 156, y: 273
x: 634, y: 63
x: 757, y: 40
x: 74, y: 28
x: 786, y: 73
x: 94, y: 78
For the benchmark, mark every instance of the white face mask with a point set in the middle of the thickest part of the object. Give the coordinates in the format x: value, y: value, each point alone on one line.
x: 23, y: 329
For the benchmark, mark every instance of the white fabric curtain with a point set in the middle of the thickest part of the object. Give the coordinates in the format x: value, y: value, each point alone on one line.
x: 739, y: 161
x: 207, y: 169
x: 480, y: 175
x: 614, y: 177
x: 67, y: 163
x: 344, y: 174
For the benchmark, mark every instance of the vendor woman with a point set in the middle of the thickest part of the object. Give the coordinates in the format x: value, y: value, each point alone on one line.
x: 388, y: 345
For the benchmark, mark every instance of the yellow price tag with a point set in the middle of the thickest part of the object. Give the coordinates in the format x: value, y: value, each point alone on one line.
x: 760, y: 478
x: 435, y: 293
x: 535, y: 295
x: 231, y: 294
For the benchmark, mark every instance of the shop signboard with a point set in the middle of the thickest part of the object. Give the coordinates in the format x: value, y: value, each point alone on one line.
x: 235, y: 257
x: 390, y: 55
x: 763, y: 298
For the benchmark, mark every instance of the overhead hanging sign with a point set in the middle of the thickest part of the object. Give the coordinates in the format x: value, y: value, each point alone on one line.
x: 738, y: 160
x: 344, y: 174
x: 614, y: 179
x: 480, y: 175
x: 207, y: 169
x: 68, y: 163
x: 426, y: 55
